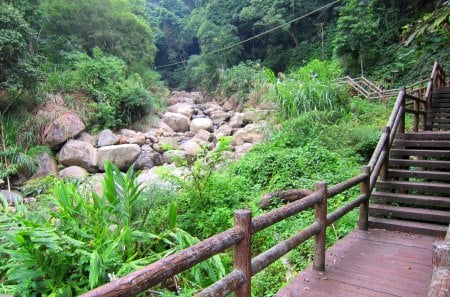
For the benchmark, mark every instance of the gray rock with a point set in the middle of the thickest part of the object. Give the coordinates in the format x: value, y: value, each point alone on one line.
x: 231, y: 104
x: 237, y: 120
x: 201, y: 124
x: 172, y: 155
x: 191, y: 149
x: 219, y: 117
x: 12, y: 197
x: 249, y: 134
x: 86, y: 137
x: 64, y: 127
x: 127, y: 132
x: 46, y: 165
x: 107, y: 137
x: 185, y: 109
x: 94, y: 184
x: 205, y: 136
x: 74, y: 172
x: 176, y: 121
x: 122, y: 155
x: 148, y: 158
x: 224, y: 130
x: 138, y: 139
x: 79, y: 153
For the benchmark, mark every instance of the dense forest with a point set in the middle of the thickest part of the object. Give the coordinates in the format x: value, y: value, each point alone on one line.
x: 116, y: 64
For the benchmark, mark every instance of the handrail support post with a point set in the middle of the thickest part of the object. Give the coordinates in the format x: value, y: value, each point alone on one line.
x: 363, y: 222
x: 320, y: 213
x: 242, y: 251
x: 386, y: 146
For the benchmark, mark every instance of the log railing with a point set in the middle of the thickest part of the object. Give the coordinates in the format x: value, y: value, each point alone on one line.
x: 239, y: 237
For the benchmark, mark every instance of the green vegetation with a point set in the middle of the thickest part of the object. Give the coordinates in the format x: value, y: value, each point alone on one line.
x: 100, y: 59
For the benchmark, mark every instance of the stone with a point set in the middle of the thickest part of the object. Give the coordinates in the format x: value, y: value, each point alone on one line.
x: 138, y: 139
x: 74, y: 172
x: 224, y: 130
x: 181, y: 97
x: 237, y: 120
x: 79, y: 153
x: 241, y: 149
x: 151, y: 136
x: 201, y: 124
x: 230, y: 104
x: 46, y: 165
x: 122, y: 155
x: 168, y: 143
x: 176, y: 121
x: 148, y: 158
x: 12, y: 197
x: 205, y: 136
x: 127, y: 133
x: 185, y: 109
x: 64, y: 127
x: 172, y: 155
x: 94, y: 184
x: 86, y: 137
x: 248, y: 134
x: 191, y: 149
x: 219, y: 117
x: 107, y: 137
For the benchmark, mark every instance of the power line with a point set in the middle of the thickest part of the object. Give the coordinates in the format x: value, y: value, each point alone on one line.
x: 257, y: 35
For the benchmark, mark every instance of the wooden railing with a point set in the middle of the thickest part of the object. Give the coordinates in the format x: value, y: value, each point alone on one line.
x: 239, y: 237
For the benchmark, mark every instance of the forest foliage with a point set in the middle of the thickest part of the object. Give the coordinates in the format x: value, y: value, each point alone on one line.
x: 113, y: 62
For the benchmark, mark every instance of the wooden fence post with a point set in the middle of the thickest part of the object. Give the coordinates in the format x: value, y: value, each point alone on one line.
x: 320, y: 213
x: 401, y: 126
x: 242, y: 251
x: 384, y: 169
x: 363, y: 221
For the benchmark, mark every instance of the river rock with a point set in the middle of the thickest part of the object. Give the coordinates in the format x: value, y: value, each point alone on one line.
x: 107, y: 137
x: 74, y: 172
x: 127, y: 133
x: 249, y: 134
x: 176, y: 121
x: 138, y: 138
x: 86, y: 137
x: 172, y: 155
x: 205, y: 136
x: 122, y: 155
x: 148, y: 158
x: 185, y: 109
x: 224, y: 130
x: 219, y: 117
x: 79, y: 153
x: 46, y: 165
x: 191, y: 148
x: 12, y: 197
x: 64, y: 127
x: 201, y: 124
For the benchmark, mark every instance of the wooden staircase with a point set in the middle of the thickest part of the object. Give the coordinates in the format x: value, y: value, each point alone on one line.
x: 415, y: 195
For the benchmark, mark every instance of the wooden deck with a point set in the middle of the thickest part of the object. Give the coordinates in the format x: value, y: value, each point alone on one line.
x: 374, y: 263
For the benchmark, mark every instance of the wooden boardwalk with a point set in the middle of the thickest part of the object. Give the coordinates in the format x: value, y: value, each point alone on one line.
x: 374, y: 263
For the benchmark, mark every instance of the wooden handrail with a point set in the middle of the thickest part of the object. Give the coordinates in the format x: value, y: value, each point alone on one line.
x: 240, y: 235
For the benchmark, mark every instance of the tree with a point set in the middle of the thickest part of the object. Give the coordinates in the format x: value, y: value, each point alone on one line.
x: 108, y: 24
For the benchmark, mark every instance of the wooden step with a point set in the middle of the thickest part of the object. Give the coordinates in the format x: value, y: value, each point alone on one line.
x: 422, y: 143
x: 420, y: 174
x: 420, y: 163
x: 420, y: 153
x: 423, y: 187
x: 436, y: 135
x: 435, y: 105
x: 408, y: 226
x: 444, y: 127
x: 419, y: 200
x: 438, y: 114
x: 410, y: 213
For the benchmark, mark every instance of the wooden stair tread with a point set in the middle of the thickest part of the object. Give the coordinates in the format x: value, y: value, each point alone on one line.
x: 423, y: 143
x: 420, y: 163
x: 415, y: 186
x: 435, y: 201
x: 424, y: 174
x: 403, y: 212
x: 419, y: 152
x: 437, y: 135
x: 408, y: 226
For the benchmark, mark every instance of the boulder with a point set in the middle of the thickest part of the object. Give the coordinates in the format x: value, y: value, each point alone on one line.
x: 128, y: 133
x: 224, y: 130
x: 168, y: 143
x: 86, y: 137
x: 248, y: 134
x: 231, y: 104
x: 219, y: 117
x: 181, y: 97
x: 79, y: 153
x: 148, y: 158
x: 74, y: 172
x: 122, y: 155
x: 94, y: 184
x: 64, y: 127
x: 107, y: 137
x: 237, y: 120
x: 151, y: 136
x: 201, y: 124
x: 11, y: 197
x: 176, y: 121
x: 191, y: 149
x: 138, y: 138
x: 172, y: 155
x: 46, y: 165
x: 205, y: 136
x: 185, y: 109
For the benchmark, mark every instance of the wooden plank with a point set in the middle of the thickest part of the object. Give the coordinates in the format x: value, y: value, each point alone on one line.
x: 420, y: 174
x: 423, y: 143
x: 420, y: 163
x: 436, y: 201
x: 364, y: 263
x: 426, y: 135
x: 413, y: 213
x: 419, y: 153
x: 408, y: 226
x: 442, y: 188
